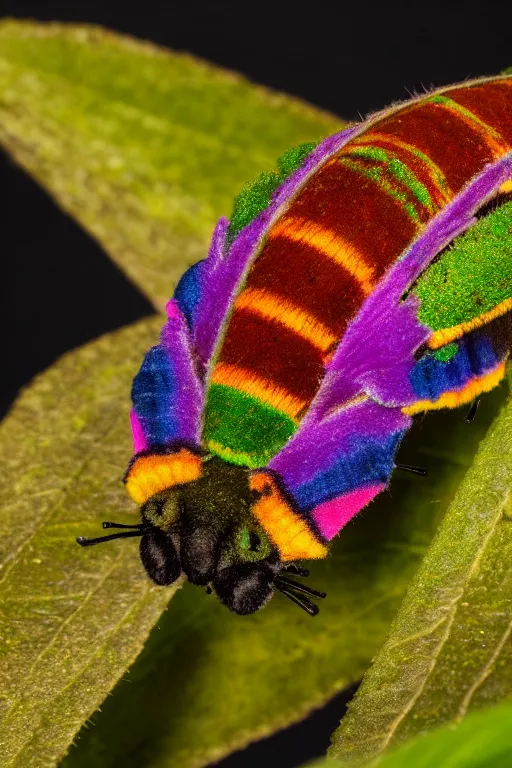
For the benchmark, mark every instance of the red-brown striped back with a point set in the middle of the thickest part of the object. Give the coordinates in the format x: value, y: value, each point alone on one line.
x: 345, y: 227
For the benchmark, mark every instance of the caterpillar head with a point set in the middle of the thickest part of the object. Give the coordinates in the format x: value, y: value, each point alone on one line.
x: 210, y: 520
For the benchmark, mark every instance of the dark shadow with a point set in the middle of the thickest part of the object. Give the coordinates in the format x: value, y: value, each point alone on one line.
x: 296, y: 745
x: 345, y: 57
x: 58, y: 288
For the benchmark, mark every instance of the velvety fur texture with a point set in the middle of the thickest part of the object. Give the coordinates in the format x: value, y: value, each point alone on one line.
x: 303, y: 344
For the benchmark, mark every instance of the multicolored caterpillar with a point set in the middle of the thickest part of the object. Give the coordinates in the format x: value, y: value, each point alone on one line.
x: 367, y: 279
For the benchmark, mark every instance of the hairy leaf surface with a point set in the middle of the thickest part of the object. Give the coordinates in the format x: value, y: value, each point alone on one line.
x: 72, y: 619
x: 450, y: 647
x: 482, y: 740
x: 211, y: 681
x: 144, y: 147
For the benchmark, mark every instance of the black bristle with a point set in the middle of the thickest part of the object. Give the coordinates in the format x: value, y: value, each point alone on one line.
x: 414, y: 470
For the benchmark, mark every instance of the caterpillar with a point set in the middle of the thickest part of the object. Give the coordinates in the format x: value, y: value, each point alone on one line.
x: 367, y: 279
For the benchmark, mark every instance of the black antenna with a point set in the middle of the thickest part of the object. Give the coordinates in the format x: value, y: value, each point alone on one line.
x: 290, y: 584
x: 415, y: 470
x: 302, y: 602
x: 84, y: 542
x: 123, y: 525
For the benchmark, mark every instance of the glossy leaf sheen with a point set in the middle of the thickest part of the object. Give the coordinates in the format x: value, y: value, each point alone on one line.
x: 144, y: 147
x: 450, y: 647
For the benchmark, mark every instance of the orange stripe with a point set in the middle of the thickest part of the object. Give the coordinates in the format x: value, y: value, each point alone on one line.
x: 505, y: 187
x: 271, y: 306
x: 327, y: 242
x: 445, y: 335
x: 472, y: 389
x: 246, y: 381
x: 157, y: 472
x: 287, y: 530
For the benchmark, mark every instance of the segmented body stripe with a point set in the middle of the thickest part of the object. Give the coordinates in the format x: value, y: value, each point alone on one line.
x: 297, y: 229
x: 491, y: 102
x: 246, y: 381
x: 422, y: 165
x: 492, y: 138
x: 252, y: 338
x: 272, y: 306
x: 346, y: 226
x: 442, y: 135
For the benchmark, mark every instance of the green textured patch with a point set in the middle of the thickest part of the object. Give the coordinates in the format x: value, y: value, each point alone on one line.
x: 472, y: 277
x: 378, y: 175
x: 443, y: 354
x: 449, y: 650
x: 482, y: 740
x: 257, y: 194
x: 398, y: 170
x: 243, y: 430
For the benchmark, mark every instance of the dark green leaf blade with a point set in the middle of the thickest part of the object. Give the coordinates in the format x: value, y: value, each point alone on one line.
x: 73, y: 619
x: 450, y: 647
x: 144, y: 147
x: 212, y: 682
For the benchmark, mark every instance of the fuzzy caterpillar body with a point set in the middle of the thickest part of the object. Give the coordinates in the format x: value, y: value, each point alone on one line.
x: 367, y: 280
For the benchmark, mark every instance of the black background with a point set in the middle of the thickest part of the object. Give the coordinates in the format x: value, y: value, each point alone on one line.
x: 348, y: 58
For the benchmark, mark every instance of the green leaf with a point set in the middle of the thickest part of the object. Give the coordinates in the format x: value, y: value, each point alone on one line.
x: 144, y: 147
x: 481, y: 740
x: 211, y: 682
x: 450, y: 647
x: 72, y: 619
x: 75, y: 619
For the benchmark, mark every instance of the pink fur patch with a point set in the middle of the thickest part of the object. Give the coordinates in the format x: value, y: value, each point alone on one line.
x: 172, y: 310
x: 139, y: 441
x: 332, y: 515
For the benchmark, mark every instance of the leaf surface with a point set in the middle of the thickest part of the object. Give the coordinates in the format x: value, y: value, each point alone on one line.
x: 72, y: 619
x: 211, y: 682
x: 482, y: 740
x: 450, y: 647
x: 144, y: 147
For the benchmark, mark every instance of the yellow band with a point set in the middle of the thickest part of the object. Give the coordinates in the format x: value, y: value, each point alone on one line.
x: 157, y: 472
x: 473, y: 388
x: 286, y: 529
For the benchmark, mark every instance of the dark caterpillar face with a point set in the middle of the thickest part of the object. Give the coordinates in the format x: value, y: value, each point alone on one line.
x: 206, y: 530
